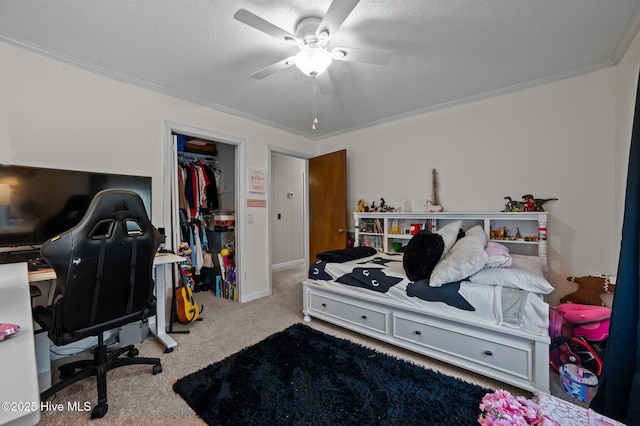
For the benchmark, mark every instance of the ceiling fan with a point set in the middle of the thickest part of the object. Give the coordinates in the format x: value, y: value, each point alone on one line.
x: 312, y: 36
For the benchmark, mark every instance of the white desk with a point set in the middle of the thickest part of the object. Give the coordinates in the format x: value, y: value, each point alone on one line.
x: 163, y: 268
x: 18, y: 372
x: 163, y: 264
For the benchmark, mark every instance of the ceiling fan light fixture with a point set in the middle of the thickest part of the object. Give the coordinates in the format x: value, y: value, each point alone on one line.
x: 313, y: 60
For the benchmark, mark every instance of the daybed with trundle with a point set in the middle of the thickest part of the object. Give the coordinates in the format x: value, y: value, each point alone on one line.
x: 477, y: 309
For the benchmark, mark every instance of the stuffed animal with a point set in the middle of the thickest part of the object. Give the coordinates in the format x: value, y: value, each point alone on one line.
x: 590, y: 287
x: 422, y: 253
x: 362, y: 206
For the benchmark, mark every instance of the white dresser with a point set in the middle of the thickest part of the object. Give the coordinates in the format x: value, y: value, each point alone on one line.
x: 19, y: 393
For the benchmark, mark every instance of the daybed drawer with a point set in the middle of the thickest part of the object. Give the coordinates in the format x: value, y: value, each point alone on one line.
x: 364, y: 316
x: 513, y: 357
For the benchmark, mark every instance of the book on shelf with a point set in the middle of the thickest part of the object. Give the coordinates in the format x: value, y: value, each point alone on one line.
x: 374, y: 241
x: 226, y: 286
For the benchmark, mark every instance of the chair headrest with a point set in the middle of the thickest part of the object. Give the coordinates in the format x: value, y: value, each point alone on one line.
x: 107, y: 208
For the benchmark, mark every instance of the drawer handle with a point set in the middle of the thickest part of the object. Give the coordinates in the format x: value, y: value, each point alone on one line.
x: 324, y: 305
x: 364, y: 317
x: 418, y: 332
x: 488, y: 352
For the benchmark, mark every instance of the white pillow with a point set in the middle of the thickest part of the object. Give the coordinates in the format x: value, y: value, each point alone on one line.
x: 525, y: 274
x: 449, y: 234
x: 466, y: 257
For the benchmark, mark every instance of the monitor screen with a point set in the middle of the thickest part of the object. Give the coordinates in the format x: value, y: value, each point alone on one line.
x: 38, y: 203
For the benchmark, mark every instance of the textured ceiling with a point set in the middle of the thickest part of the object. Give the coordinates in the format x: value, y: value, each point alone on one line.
x: 444, y: 51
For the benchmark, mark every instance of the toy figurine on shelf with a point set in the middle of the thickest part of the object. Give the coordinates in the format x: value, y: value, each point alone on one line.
x: 518, y: 234
x: 433, y: 205
x: 497, y: 234
x: 528, y: 204
x: 383, y: 207
x: 513, y: 206
x: 535, y: 204
x: 435, y: 208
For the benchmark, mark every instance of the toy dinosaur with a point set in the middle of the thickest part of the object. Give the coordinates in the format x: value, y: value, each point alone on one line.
x: 513, y: 206
x: 535, y: 204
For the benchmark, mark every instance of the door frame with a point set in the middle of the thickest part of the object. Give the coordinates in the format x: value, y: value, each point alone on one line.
x: 170, y: 189
x: 271, y: 149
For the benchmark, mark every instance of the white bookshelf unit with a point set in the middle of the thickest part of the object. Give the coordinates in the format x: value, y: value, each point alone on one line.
x: 524, y: 232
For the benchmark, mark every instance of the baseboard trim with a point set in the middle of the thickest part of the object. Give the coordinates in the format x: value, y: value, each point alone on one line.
x: 287, y: 264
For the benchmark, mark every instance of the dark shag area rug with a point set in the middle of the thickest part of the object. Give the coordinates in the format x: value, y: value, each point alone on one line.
x: 301, y: 376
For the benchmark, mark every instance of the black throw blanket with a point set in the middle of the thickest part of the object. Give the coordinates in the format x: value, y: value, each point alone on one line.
x: 347, y: 254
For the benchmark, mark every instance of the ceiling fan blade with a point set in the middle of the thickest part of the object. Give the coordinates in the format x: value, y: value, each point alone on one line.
x: 325, y: 84
x: 335, y: 16
x: 378, y: 57
x: 267, y: 27
x: 274, y: 68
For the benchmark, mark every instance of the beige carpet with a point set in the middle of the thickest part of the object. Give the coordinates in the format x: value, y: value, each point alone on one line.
x: 136, y: 397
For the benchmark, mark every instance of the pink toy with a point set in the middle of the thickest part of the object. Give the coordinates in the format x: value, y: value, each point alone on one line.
x: 574, y: 329
x: 573, y: 319
x: 8, y: 330
x: 582, y: 314
x: 594, y: 331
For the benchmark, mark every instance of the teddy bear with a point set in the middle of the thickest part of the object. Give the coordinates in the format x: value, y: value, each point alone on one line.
x: 589, y: 289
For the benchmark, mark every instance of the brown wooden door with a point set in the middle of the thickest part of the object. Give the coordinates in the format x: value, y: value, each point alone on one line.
x: 327, y: 203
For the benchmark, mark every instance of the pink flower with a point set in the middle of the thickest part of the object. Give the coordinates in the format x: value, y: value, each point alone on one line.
x: 500, y: 408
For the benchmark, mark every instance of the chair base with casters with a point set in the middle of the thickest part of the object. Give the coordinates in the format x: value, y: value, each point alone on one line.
x: 103, y: 361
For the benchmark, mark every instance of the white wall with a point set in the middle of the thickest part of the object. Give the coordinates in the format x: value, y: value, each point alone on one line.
x: 555, y: 140
x: 59, y: 116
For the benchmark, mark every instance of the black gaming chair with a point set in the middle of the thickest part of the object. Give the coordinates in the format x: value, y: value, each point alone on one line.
x: 104, y: 269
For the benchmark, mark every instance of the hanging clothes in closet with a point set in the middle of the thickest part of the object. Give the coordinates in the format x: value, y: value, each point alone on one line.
x: 198, y: 184
x: 197, y: 196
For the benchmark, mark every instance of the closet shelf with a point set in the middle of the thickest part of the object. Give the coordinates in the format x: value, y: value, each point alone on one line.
x: 195, y: 156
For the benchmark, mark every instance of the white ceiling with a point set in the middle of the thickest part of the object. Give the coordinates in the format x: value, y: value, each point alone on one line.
x: 444, y: 51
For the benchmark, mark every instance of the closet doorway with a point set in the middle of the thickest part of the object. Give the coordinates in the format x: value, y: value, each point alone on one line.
x: 297, y: 222
x: 203, y: 175
x: 288, y: 198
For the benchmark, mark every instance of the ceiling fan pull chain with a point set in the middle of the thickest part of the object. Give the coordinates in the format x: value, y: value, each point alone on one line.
x: 315, y: 104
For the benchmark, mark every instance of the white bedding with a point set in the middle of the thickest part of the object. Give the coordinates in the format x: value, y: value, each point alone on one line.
x: 485, y: 303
